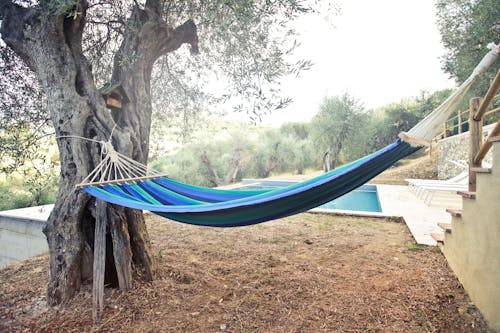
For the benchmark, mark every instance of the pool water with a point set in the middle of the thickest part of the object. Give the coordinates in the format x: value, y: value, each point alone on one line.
x: 363, y: 199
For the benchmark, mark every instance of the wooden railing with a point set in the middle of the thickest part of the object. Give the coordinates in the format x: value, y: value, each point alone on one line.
x: 460, y: 123
x: 477, y: 112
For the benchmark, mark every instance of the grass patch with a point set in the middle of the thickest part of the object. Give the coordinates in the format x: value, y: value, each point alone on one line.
x: 412, y: 246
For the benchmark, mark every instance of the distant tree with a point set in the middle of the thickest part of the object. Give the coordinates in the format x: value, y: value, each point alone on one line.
x: 223, y: 160
x: 184, y: 166
x: 303, y: 156
x: 360, y: 142
x: 334, y: 125
x: 300, y: 131
x: 426, y: 101
x: 466, y: 27
x: 388, y: 121
x: 271, y: 153
x: 301, y: 152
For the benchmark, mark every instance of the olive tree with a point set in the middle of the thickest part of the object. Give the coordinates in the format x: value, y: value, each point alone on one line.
x: 73, y: 47
x: 333, y: 126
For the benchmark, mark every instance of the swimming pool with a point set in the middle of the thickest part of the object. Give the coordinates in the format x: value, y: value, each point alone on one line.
x: 363, y: 199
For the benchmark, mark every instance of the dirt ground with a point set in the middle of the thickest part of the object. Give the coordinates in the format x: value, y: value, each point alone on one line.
x: 305, y: 273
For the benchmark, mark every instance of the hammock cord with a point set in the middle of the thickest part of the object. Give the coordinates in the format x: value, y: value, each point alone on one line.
x: 113, y: 165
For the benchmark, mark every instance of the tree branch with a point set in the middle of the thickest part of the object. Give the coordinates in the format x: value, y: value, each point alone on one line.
x: 214, y: 178
x: 13, y: 18
x: 235, y: 167
x: 153, y: 7
x: 189, y: 33
x: 159, y: 39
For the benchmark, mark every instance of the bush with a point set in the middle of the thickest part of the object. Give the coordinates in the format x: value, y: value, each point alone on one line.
x: 34, y: 189
x: 12, y: 198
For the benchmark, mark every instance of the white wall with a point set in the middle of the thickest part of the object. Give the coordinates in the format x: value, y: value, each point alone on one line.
x: 21, y: 234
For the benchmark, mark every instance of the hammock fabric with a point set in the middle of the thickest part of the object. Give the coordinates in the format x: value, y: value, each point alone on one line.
x: 231, y: 208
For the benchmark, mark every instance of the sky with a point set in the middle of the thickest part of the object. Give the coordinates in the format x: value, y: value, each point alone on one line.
x: 377, y: 51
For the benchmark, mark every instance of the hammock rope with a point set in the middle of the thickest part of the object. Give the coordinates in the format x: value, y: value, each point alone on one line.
x: 114, y: 166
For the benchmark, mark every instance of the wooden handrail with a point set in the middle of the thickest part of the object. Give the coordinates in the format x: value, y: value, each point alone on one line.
x: 488, y: 97
x: 478, y: 149
x: 465, y: 120
x: 487, y: 113
x: 459, y: 114
x: 487, y: 145
x: 475, y: 132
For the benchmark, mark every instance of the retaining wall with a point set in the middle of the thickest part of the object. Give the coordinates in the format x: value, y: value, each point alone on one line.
x: 456, y: 148
x: 21, y: 235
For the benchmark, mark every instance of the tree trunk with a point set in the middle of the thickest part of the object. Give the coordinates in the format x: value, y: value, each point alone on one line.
x: 51, y: 45
x: 326, y: 161
x: 232, y: 173
x: 212, y: 173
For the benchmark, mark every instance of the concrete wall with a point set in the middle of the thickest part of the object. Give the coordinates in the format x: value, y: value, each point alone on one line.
x: 21, y: 234
x: 473, y: 247
x: 456, y: 148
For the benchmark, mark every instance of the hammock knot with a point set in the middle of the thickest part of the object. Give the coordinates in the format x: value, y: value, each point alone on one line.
x: 109, y: 150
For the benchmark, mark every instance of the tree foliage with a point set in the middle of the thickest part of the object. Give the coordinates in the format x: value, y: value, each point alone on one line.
x: 466, y: 27
x: 334, y: 125
x: 385, y: 123
x: 23, y: 115
x: 230, y: 155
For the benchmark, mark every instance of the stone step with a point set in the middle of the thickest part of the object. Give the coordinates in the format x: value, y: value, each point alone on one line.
x: 445, y: 226
x: 454, y: 212
x: 481, y: 170
x: 467, y: 194
x: 438, y: 237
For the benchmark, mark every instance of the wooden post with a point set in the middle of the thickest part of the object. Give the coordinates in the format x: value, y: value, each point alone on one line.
x: 444, y: 130
x: 459, y: 122
x: 490, y: 94
x: 478, y: 159
x: 476, y: 140
x: 99, y: 261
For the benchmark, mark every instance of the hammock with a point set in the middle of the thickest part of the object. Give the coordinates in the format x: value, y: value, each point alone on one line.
x: 229, y: 208
x: 226, y: 208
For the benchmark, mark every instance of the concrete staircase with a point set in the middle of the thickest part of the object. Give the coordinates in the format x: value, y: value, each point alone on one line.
x: 471, y: 242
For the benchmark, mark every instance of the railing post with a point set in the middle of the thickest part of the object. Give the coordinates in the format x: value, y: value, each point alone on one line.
x: 476, y: 140
x: 478, y: 159
x: 459, y: 122
x: 490, y: 94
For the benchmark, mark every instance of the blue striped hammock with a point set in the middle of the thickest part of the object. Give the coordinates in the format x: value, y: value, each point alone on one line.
x: 230, y: 208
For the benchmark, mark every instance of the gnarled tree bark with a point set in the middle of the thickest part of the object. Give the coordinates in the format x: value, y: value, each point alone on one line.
x: 50, y: 43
